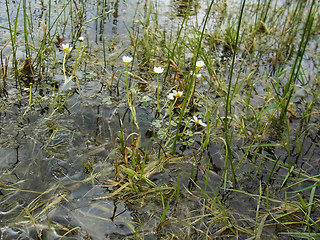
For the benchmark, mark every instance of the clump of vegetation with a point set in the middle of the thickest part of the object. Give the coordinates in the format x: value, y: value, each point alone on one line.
x: 206, y: 128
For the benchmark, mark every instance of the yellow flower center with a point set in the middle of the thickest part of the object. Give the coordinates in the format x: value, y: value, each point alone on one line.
x: 177, y: 95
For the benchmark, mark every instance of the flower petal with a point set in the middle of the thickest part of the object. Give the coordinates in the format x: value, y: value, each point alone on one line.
x: 202, y: 123
x: 158, y: 69
x: 66, y: 48
x: 171, y: 96
x: 199, y: 64
x: 126, y: 59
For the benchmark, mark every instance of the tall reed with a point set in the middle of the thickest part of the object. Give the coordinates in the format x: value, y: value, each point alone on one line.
x: 26, y: 31
x: 49, y: 18
x: 172, y: 52
x: 13, y: 36
x: 103, y: 34
x: 228, y: 138
x: 295, y: 70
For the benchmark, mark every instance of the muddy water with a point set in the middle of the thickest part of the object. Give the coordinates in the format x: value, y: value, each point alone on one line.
x: 42, y: 159
x: 46, y: 190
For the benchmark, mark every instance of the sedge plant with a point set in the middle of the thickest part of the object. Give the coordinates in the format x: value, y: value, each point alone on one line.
x: 13, y: 37
x: 295, y: 71
x: 229, y: 157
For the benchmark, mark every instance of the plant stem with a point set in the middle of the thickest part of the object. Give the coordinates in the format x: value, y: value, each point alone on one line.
x: 170, y: 114
x: 288, y: 89
x: 64, y: 67
x: 13, y: 42
x: 189, y: 90
x: 158, y: 90
x: 25, y: 25
x: 229, y: 99
x: 30, y: 94
x: 127, y: 81
x: 76, y: 60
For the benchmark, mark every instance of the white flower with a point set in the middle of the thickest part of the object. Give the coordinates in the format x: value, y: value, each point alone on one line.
x: 198, y: 121
x: 127, y: 59
x: 199, y: 64
x: 81, y: 39
x: 158, y: 70
x: 197, y: 75
x: 66, y: 48
x: 175, y: 94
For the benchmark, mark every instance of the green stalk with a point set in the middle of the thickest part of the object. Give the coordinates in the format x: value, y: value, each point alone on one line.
x: 170, y: 113
x: 40, y: 52
x: 13, y: 41
x: 171, y: 56
x: 265, y: 10
x: 31, y: 26
x: 158, y: 92
x: 71, y: 22
x: 257, y: 12
x: 287, y: 144
x: 311, y: 203
x: 49, y: 18
x: 30, y: 94
x: 61, y: 105
x: 64, y: 67
x: 189, y: 89
x: 49, y: 225
x: 288, y: 89
x: 307, y: 117
x: 229, y: 99
x: 103, y: 36
x: 127, y: 81
x: 25, y: 25
x: 76, y: 60
x: 130, y: 99
x: 59, y: 15
x: 165, y: 210
x: 271, y: 172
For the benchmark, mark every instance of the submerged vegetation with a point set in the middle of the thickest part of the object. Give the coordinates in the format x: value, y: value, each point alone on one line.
x: 160, y: 119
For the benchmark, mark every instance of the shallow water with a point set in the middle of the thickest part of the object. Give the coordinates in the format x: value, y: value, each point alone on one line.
x: 45, y: 183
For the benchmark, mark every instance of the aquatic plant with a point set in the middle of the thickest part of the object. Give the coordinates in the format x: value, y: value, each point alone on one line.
x: 197, y: 121
x: 229, y: 150
x: 173, y: 96
x: 127, y: 60
x: 66, y: 49
x: 158, y: 70
x: 199, y: 65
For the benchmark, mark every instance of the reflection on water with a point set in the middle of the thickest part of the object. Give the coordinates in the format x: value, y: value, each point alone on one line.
x: 51, y: 171
x: 185, y: 7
